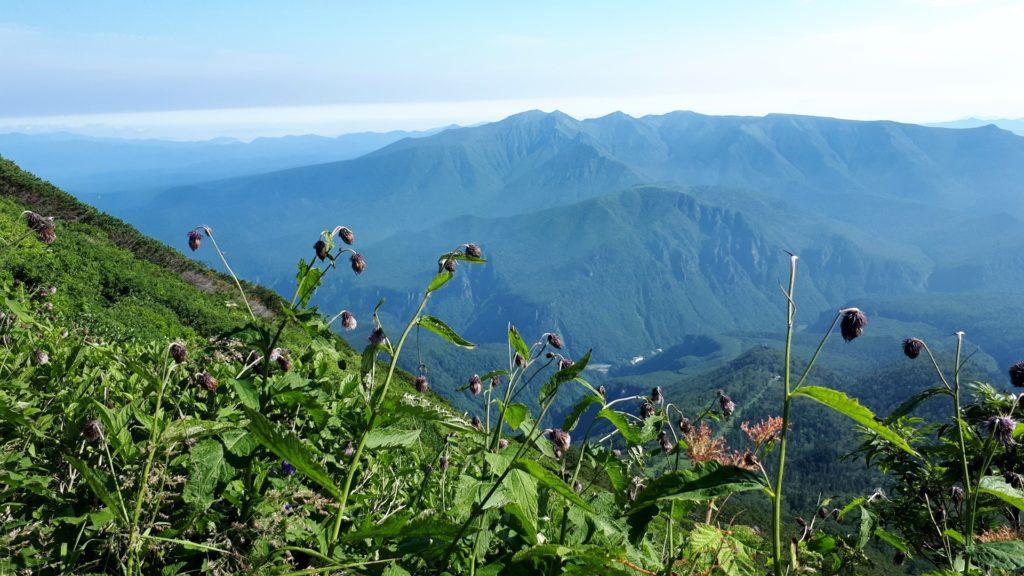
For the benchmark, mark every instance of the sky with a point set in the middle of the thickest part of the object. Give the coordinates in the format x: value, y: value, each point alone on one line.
x: 195, y: 69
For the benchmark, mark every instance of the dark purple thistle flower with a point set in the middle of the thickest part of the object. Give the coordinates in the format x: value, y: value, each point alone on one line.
x: 450, y: 265
x: 646, y: 410
x: 195, y: 239
x: 1001, y: 428
x: 346, y: 235
x: 565, y: 363
x: 474, y: 251
x: 822, y: 512
x: 555, y: 340
x: 421, y: 384
x: 502, y: 444
x: 287, y: 468
x: 207, y: 382
x: 358, y: 263
x: 852, y: 324
x: 957, y: 494
x: 377, y: 336
x: 656, y: 395
x: 178, y: 352
x: 349, y: 451
x: 520, y: 361
x: 1017, y: 374
x: 348, y: 320
x: 476, y: 423
x: 321, y: 250
x: 601, y: 390
x: 912, y: 347
x: 284, y: 362
x: 726, y: 403
x: 495, y: 381
x: 475, y: 384
x: 664, y: 442
x: 560, y: 438
x: 685, y: 426
x: 92, y: 430
x: 43, y: 226
x: 443, y: 463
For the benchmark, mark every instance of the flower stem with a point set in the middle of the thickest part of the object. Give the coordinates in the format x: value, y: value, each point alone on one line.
x: 786, y: 399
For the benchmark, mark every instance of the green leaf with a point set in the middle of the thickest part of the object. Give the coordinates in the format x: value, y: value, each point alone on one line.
x: 395, y: 570
x: 443, y: 330
x: 289, y: 447
x: 238, y: 441
x: 1005, y: 554
x: 517, y: 343
x: 551, y: 481
x: 574, y: 417
x: 404, y: 525
x: 892, y: 540
x: 912, y: 403
x: 247, y: 393
x: 958, y: 537
x: 560, y: 377
x: 1000, y: 488
x: 852, y: 409
x: 391, y: 438
x: 206, y: 466
x: 192, y: 428
x: 101, y: 485
x: 516, y: 414
x: 308, y: 279
x: 867, y: 525
x: 712, y: 480
x: 629, y: 433
x: 441, y: 279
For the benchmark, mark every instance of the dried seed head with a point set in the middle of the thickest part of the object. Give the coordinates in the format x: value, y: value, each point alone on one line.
x: 474, y: 251
x: 358, y: 263
x: 41, y: 357
x: 207, y: 382
x: 646, y: 410
x: 348, y: 320
x: 555, y: 340
x: 602, y: 391
x: 726, y: 404
x: 664, y: 442
x: 475, y: 385
x: 421, y: 384
x: 178, y: 352
x: 685, y: 426
x: 450, y: 265
x: 377, y: 337
x: 43, y: 226
x: 1017, y: 374
x: 852, y: 324
x: 912, y: 347
x: 565, y: 363
x: 346, y: 235
x: 476, y: 423
x: 520, y: 361
x: 656, y: 395
x: 443, y: 463
x: 287, y: 468
x: 349, y: 451
x: 502, y: 444
x: 321, y: 249
x: 560, y: 438
x: 92, y: 430
x: 195, y: 239
x: 495, y: 381
x: 284, y: 362
x: 1001, y: 428
x: 957, y: 494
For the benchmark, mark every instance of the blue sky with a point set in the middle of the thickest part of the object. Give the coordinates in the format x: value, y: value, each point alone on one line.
x: 204, y: 68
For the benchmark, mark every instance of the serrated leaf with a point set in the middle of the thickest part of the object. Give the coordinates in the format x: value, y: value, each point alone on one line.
x: 549, y: 480
x: 1000, y: 488
x: 516, y: 414
x: 391, y: 438
x: 441, y: 279
x: 101, y: 485
x: 711, y: 480
x: 206, y: 465
x: 1005, y: 554
x: 246, y: 392
x: 892, y: 540
x: 518, y: 344
x: 289, y: 447
x: 443, y: 330
x: 574, y: 417
x: 550, y: 388
x: 193, y: 428
x: 628, y: 432
x: 852, y: 409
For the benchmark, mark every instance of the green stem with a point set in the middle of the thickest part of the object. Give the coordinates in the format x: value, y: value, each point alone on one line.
x: 245, y: 300
x: 962, y: 444
x: 780, y: 475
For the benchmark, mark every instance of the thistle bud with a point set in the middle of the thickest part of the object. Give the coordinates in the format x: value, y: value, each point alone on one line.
x: 520, y: 361
x: 358, y: 263
x: 602, y: 391
x: 801, y: 522
x: 549, y: 355
x: 284, y: 362
x: 377, y: 336
x: 474, y: 251
x: 92, y: 430
x: 822, y: 512
x: 560, y: 439
x: 195, y: 239
x: 726, y: 403
x: 1017, y: 374
x: 475, y: 385
x: 852, y: 324
x: 476, y: 423
x: 348, y: 320
x: 685, y: 426
x: 321, y: 250
x: 664, y: 442
x: 41, y: 357
x: 349, y: 451
x: 346, y: 235
x: 555, y: 340
x: 207, y: 382
x: 43, y: 226
x: 646, y: 410
x: 1001, y: 428
x: 957, y: 494
x: 502, y: 444
x: 421, y: 384
x: 565, y: 363
x: 495, y: 381
x: 450, y: 265
x: 178, y: 352
x: 287, y: 468
x: 443, y: 463
x: 656, y: 395
x: 912, y: 347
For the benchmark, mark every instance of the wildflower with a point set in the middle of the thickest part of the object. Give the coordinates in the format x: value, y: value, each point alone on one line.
x: 656, y: 395
x: 421, y: 384
x: 495, y: 380
x: 377, y: 336
x: 92, y: 430
x: 554, y: 340
x: 358, y: 263
x: 43, y: 226
x: 284, y: 362
x: 502, y: 444
x: 646, y: 410
x: 577, y: 486
x: 1017, y: 374
x: 321, y: 249
x: 287, y: 468
x: 520, y: 361
x: 207, y: 382
x: 560, y: 438
x: 475, y: 385
x: 41, y: 357
x: 853, y: 323
x: 957, y: 494
x: 601, y: 390
x: 443, y: 463
x: 750, y: 461
x: 1001, y: 428
x: 349, y: 451
x: 822, y: 512
x: 702, y: 446
x: 549, y: 355
x: 346, y: 235
x: 474, y: 251
x: 912, y: 347
x: 617, y: 453
x: 348, y: 320
x: 178, y: 352
x: 726, y: 403
x: 565, y: 363
x: 286, y: 508
x: 764, y: 431
x: 450, y: 265
x: 195, y: 239
x: 476, y: 423
x: 685, y: 426
x: 664, y: 442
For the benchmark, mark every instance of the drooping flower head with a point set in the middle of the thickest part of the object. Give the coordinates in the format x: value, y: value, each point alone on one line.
x: 646, y: 410
x: 41, y: 356
x: 348, y: 320
x: 560, y: 439
x: 664, y: 442
x: 195, y: 239
x: 320, y: 248
x: 287, y: 468
x: 377, y: 337
x: 565, y: 363
x: 346, y: 235
x: 554, y: 340
x: 656, y: 395
x: 726, y: 404
x: 1001, y: 428
x: 1017, y: 374
x: 43, y: 226
x: 475, y: 384
x: 92, y: 430
x: 852, y: 324
x: 207, y: 382
x: 358, y: 262
x: 912, y: 347
x: 178, y: 352
x: 421, y: 384
x: 474, y: 251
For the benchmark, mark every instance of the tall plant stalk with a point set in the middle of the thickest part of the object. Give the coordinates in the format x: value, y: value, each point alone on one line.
x: 786, y: 401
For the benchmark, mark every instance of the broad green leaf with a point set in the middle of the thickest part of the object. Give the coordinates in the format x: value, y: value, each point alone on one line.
x: 854, y: 504
x: 404, y: 525
x: 712, y: 480
x: 395, y: 570
x: 238, y: 441
x: 206, y: 466
x: 892, y: 540
x: 521, y: 523
x: 441, y: 279
x: 443, y: 330
x: 289, y: 447
x: 521, y: 489
x: 629, y: 433
x: 852, y: 409
x: 548, y: 479
x: 585, y: 402
x: 912, y: 403
x: 391, y: 438
x: 953, y: 534
x: 1000, y: 488
x: 867, y: 525
x: 516, y: 414
x: 1005, y: 554
x: 101, y: 485
x: 192, y: 428
x: 517, y: 342
x: 309, y: 280
x: 247, y: 393
x: 560, y: 377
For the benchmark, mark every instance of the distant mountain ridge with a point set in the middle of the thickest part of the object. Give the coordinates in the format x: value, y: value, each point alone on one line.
x: 1015, y: 125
